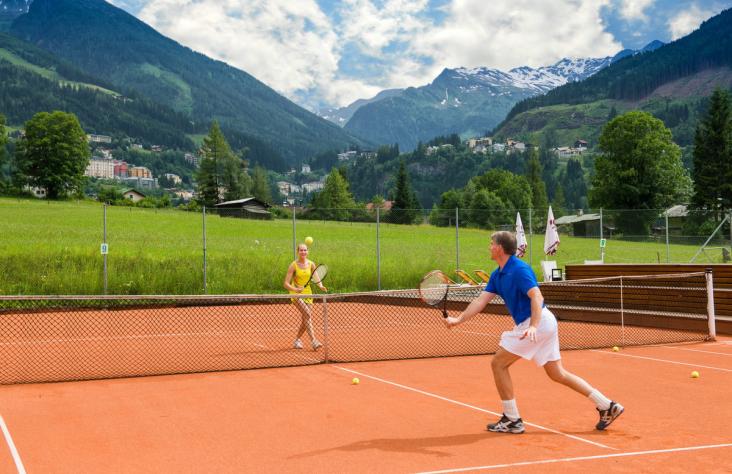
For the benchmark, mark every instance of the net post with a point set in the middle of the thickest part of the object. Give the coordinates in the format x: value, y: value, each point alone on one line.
x: 622, y: 314
x: 712, y: 336
x: 326, y: 343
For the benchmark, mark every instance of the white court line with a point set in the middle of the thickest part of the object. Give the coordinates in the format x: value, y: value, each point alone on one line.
x: 697, y: 350
x: 472, y: 407
x: 580, y: 458
x: 11, y: 446
x: 661, y: 360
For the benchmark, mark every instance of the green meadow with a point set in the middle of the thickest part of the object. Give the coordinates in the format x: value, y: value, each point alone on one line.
x: 53, y: 248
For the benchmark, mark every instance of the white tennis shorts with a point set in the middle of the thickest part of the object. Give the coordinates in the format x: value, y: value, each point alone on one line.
x: 544, y: 349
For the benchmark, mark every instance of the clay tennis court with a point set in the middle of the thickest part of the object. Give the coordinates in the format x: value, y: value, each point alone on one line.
x: 405, y: 416
x: 413, y: 415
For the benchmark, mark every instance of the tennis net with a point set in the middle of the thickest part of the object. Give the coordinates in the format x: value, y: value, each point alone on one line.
x: 46, y: 339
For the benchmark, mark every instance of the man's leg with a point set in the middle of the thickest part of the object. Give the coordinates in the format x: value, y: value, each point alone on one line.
x: 608, y: 409
x: 511, y: 421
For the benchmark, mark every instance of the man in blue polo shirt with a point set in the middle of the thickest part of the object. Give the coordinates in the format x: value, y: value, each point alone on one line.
x: 534, y: 337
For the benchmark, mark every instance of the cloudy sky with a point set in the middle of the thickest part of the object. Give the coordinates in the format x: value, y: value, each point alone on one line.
x: 330, y: 52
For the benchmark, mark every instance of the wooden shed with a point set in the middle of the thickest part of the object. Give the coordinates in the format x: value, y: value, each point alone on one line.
x: 249, y: 208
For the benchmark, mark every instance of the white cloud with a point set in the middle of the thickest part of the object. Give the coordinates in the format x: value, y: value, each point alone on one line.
x: 296, y: 49
x: 516, y: 32
x: 290, y: 46
x: 635, y: 9
x: 687, y: 21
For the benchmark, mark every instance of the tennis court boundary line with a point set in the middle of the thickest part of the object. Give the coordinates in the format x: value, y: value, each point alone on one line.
x: 661, y: 360
x: 579, y: 458
x: 466, y: 405
x: 13, y: 451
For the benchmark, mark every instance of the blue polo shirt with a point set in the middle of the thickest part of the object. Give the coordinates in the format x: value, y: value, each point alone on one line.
x: 512, y: 283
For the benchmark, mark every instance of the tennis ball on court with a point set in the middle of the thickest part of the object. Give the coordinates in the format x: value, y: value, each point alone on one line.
x: 355, y: 381
x: 616, y: 348
x: 694, y: 374
x: 308, y: 240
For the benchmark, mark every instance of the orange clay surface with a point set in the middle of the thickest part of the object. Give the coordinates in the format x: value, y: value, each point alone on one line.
x: 404, y: 416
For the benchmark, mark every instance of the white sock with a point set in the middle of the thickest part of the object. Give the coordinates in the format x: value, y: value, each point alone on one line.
x: 510, y: 409
x: 602, y: 402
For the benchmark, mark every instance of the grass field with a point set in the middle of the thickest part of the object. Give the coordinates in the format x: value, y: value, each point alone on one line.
x: 54, y: 248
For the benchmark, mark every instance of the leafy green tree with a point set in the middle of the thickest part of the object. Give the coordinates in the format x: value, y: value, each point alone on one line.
x: 538, y: 189
x: 54, y: 153
x: 713, y: 155
x: 443, y: 212
x: 513, y: 189
x: 640, y: 169
x: 260, y: 185
x: 405, y: 209
x: 487, y: 210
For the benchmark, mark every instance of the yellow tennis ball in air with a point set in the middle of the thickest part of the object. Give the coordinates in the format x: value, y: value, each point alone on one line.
x: 355, y: 381
x: 309, y: 240
x: 616, y: 348
x: 694, y: 374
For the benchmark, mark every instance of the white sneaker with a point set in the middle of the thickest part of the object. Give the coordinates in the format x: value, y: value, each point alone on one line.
x: 297, y: 344
x: 316, y: 344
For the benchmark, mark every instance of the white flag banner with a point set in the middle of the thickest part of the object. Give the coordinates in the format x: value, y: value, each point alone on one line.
x: 551, y: 238
x: 520, y: 237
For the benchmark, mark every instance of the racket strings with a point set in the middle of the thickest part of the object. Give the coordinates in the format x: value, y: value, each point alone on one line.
x: 433, y: 288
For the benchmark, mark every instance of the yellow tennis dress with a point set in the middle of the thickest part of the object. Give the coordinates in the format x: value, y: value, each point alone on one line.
x: 302, y: 276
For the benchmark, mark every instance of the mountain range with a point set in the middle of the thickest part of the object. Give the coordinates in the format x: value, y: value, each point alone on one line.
x: 462, y: 100
x: 106, y: 43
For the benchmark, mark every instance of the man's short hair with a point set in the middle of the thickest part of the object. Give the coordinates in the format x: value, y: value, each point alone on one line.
x: 507, y: 240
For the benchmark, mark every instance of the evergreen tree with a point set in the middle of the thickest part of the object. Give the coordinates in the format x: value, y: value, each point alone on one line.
x: 208, y: 188
x: 405, y: 209
x: 54, y: 153
x: 538, y: 189
x: 226, y: 172
x: 574, y: 185
x: 713, y: 155
x: 335, y: 201
x: 260, y: 185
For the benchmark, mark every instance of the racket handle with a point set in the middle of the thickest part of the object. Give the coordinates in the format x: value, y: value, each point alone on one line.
x: 444, y: 313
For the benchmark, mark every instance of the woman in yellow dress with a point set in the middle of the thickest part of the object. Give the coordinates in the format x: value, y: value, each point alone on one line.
x: 298, y: 274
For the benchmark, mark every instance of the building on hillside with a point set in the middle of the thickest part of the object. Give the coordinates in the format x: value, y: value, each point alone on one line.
x: 192, y: 159
x: 104, y: 153
x: 156, y: 148
x: 140, y: 172
x: 580, y: 145
x: 36, y: 191
x: 100, y: 168
x: 498, y: 147
x: 567, y: 152
x: 136, y: 146
x: 483, y: 142
x: 183, y: 194
x: 249, y: 208
x: 347, y: 155
x: 174, y: 178
x: 305, y: 168
x: 120, y: 169
x: 313, y: 186
x: 91, y: 138
x: 133, y: 195
x: 141, y: 183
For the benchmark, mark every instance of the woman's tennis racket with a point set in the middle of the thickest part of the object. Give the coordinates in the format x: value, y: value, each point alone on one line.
x: 318, y: 275
x: 433, y: 290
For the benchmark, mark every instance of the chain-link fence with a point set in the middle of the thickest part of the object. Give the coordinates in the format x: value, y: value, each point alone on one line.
x: 56, y: 247
x: 45, y: 339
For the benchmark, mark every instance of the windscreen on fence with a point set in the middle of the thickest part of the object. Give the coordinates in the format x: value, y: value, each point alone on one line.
x: 44, y: 339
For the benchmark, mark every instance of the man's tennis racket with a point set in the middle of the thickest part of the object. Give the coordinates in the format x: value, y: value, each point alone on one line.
x: 318, y: 275
x: 433, y: 290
